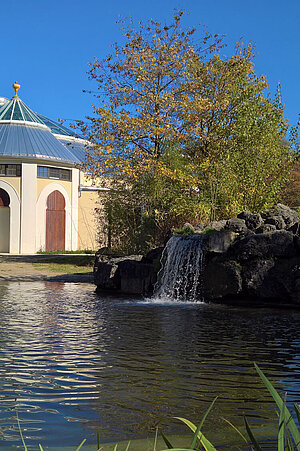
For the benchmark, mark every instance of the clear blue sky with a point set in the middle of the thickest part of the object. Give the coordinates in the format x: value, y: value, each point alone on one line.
x: 46, y: 45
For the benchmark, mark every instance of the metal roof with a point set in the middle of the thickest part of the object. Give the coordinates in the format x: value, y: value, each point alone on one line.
x: 78, y: 147
x: 16, y: 110
x: 24, y: 133
x: 18, y: 140
x: 57, y: 128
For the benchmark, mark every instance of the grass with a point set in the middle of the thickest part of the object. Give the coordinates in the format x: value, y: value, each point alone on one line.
x: 288, y: 437
x: 82, y: 251
x: 67, y: 264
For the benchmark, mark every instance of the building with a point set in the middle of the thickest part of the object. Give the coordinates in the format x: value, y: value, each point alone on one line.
x: 46, y: 202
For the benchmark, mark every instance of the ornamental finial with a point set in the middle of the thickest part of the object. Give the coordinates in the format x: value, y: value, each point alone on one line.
x: 16, y: 87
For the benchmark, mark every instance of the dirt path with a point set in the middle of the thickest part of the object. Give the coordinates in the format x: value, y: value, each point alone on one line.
x: 20, y: 268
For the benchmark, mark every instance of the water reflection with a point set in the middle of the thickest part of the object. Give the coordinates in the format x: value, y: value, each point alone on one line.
x: 73, y: 363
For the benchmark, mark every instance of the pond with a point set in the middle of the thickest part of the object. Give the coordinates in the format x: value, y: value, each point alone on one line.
x: 73, y: 363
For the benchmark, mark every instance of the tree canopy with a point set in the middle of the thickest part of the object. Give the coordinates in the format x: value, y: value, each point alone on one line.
x: 191, y: 133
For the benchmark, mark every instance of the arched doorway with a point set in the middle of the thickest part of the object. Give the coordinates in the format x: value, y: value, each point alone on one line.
x: 4, y: 220
x: 55, y: 222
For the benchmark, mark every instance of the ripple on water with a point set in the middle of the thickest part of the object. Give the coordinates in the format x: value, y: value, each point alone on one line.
x: 73, y: 363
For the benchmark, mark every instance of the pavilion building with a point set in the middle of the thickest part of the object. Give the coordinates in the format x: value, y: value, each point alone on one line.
x: 46, y: 202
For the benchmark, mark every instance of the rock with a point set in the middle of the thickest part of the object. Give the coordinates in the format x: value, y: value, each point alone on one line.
x: 136, y: 277
x: 252, y: 220
x: 239, y: 260
x: 277, y: 221
x: 199, y: 228
x: 295, y: 228
x: 279, y: 243
x: 106, y: 276
x: 253, y: 274
x: 219, y: 241
x: 216, y: 225
x: 280, y: 282
x: 266, y: 228
x: 289, y: 216
x: 153, y: 255
x: 236, y: 225
x: 221, y: 279
x: 169, y: 235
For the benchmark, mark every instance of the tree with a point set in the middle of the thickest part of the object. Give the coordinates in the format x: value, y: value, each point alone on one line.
x: 190, y: 133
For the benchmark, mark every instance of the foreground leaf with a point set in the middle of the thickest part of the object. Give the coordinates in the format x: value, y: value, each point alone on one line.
x: 194, y: 441
x: 204, y: 441
x: 275, y: 395
x: 81, y: 444
x: 251, y: 436
x: 167, y: 442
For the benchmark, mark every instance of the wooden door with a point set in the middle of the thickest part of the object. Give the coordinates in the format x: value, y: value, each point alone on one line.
x: 4, y: 221
x: 55, y: 222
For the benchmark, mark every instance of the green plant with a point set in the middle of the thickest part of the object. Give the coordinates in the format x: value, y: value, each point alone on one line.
x: 208, y: 231
x: 185, y: 230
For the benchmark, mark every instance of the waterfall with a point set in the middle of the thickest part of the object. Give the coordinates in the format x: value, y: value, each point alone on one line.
x: 180, y: 277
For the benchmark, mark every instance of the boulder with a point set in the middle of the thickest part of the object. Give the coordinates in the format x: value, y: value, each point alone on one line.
x: 277, y: 221
x: 236, y: 225
x: 252, y: 220
x: 266, y: 228
x: 279, y: 243
x: 216, y: 225
x: 221, y: 279
x: 136, y: 277
x: 253, y: 274
x: 199, y: 227
x: 295, y: 228
x: 107, y: 276
x: 280, y: 282
x: 289, y: 216
x: 219, y: 241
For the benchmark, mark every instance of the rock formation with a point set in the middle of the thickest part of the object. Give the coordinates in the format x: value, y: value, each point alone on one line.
x: 252, y: 258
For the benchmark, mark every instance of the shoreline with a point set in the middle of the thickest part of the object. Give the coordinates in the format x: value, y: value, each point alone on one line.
x: 49, y: 268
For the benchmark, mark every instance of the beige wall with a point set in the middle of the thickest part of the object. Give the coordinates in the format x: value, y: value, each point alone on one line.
x: 4, y: 227
x: 42, y: 183
x: 15, y: 182
x: 87, y: 220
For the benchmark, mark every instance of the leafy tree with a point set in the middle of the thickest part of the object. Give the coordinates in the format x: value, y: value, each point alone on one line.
x: 185, y: 133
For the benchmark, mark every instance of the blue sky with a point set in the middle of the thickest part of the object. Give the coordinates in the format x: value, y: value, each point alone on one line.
x: 46, y: 46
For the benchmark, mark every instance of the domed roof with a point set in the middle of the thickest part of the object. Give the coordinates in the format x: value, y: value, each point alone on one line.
x: 24, y: 133
x: 3, y: 101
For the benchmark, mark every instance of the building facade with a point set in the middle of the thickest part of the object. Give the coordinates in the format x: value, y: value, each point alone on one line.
x: 46, y: 202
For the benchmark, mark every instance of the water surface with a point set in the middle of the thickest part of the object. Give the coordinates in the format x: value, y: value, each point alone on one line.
x: 73, y: 363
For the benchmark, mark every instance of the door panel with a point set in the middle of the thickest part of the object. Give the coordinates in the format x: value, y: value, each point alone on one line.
x: 55, y: 222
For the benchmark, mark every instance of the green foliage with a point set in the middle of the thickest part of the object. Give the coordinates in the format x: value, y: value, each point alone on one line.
x: 208, y: 231
x: 185, y: 230
x: 187, y: 134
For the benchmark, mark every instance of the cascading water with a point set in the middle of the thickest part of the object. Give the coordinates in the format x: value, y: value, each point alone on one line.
x: 180, y: 277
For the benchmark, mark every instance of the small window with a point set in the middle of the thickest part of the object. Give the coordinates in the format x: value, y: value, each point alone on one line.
x: 54, y: 173
x: 10, y: 170
x: 65, y: 174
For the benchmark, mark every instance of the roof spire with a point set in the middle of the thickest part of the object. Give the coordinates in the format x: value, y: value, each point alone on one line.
x: 16, y: 87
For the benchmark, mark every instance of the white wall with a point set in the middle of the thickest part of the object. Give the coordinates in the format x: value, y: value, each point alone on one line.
x: 28, y: 208
x: 14, y: 229
x: 41, y: 216
x: 74, y: 213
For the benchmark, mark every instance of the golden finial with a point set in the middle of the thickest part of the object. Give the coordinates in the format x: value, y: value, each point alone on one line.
x: 16, y: 87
